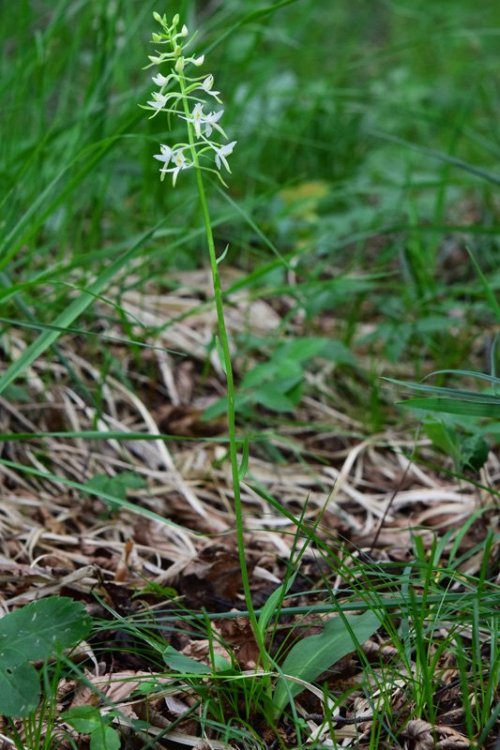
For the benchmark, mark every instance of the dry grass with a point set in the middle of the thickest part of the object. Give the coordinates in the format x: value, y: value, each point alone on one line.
x: 365, y: 494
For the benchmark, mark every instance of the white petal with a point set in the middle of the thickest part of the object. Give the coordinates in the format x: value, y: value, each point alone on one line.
x: 160, y: 80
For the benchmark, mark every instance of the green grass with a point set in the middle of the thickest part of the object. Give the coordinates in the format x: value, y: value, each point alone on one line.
x: 363, y: 210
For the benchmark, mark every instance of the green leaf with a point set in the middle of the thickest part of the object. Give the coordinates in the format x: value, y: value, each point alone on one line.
x: 105, y: 738
x: 474, y: 452
x: 451, y: 393
x: 468, y: 451
x: 301, y: 349
x: 17, y: 393
x: 181, y: 663
x: 220, y: 406
x: 452, y: 406
x: 443, y: 437
x: 37, y: 630
x: 286, y: 372
x: 317, y: 653
x: 85, y: 719
x: 493, y: 379
x: 116, y: 486
x: 338, y: 352
x: 221, y: 664
x: 89, y: 720
x: 272, y: 398
x: 273, y: 601
x: 19, y: 689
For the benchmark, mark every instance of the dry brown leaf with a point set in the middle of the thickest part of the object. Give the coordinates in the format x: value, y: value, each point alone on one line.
x: 425, y: 736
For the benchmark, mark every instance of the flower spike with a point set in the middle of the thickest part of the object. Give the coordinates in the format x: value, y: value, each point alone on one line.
x: 201, y: 125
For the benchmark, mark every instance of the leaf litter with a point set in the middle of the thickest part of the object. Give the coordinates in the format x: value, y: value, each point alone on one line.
x: 363, y: 493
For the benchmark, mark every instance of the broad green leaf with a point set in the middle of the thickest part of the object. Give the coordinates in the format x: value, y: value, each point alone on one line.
x: 220, y: 406
x: 38, y: 629
x: 272, y: 398
x: 443, y: 437
x: 19, y: 689
x: 85, y: 719
x: 317, y: 653
x: 35, y: 631
x: 286, y: 372
x: 468, y: 451
x: 474, y: 452
x: 338, y: 352
x: 181, y: 663
x: 105, y: 738
x: 301, y: 349
x: 260, y: 374
x: 116, y: 486
x: 221, y: 664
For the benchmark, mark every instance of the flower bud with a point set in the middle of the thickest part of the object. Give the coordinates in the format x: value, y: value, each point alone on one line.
x: 157, y: 59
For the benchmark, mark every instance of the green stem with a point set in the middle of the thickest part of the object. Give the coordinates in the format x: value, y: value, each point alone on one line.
x: 231, y: 408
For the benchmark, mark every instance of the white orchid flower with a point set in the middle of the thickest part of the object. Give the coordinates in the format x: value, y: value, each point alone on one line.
x: 207, y: 84
x: 158, y: 101
x: 211, y: 123
x: 221, y: 152
x: 161, y: 80
x: 208, y: 122
x: 197, y: 118
x: 178, y: 158
x: 158, y: 59
x: 165, y: 156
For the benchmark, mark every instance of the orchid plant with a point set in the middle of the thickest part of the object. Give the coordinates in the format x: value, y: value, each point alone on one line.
x: 184, y: 95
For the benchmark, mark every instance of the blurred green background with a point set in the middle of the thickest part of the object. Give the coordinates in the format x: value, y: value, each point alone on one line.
x: 367, y: 162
